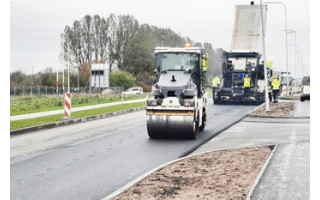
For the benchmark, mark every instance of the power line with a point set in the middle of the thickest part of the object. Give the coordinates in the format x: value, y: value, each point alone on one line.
x: 39, y: 12
x: 35, y: 30
x: 58, y: 7
x: 31, y: 36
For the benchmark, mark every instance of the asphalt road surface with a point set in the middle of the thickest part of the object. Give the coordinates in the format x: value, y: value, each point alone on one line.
x: 93, y: 159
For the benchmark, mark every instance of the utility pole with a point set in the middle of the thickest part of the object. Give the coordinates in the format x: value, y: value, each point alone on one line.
x: 57, y: 84
x: 286, y: 29
x: 90, y: 55
x: 295, y: 47
x: 62, y: 57
x: 68, y: 70
x: 78, y: 78
x: 32, y: 80
x: 265, y: 59
x: 99, y: 76
x: 63, y: 77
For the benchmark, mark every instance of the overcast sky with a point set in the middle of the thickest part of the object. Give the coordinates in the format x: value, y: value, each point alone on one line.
x: 35, y: 26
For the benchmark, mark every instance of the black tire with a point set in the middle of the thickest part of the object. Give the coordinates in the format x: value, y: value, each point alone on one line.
x: 302, y: 99
x: 204, y: 121
x: 153, y: 135
x: 194, y: 134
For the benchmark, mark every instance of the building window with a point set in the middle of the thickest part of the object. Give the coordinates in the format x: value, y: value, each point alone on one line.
x: 97, y: 72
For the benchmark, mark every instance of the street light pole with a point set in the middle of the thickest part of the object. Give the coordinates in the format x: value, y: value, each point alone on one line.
x: 295, y: 49
x: 265, y: 59
x: 68, y: 69
x: 285, y: 11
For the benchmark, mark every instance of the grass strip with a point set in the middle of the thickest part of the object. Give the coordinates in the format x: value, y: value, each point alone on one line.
x: 26, y: 105
x: 56, y: 118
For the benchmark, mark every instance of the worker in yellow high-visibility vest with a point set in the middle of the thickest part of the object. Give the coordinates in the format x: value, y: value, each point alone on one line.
x: 215, y: 86
x: 246, y: 86
x: 275, y: 88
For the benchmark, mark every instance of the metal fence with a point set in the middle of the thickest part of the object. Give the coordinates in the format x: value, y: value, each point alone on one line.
x: 50, y: 90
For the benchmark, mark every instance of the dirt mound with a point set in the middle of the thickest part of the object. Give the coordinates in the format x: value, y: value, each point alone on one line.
x: 281, y: 109
x: 217, y: 175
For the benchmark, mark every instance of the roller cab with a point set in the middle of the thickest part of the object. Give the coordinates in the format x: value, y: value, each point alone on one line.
x: 178, y: 106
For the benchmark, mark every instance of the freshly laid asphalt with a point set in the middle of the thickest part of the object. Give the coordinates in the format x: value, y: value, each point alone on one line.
x: 287, y: 175
x: 91, y: 160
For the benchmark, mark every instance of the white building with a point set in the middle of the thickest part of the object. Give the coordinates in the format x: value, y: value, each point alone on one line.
x: 100, y: 75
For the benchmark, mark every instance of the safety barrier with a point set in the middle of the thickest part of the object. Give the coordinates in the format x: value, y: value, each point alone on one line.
x: 67, y: 105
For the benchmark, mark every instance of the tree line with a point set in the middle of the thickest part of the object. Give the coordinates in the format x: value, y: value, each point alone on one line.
x: 122, y: 43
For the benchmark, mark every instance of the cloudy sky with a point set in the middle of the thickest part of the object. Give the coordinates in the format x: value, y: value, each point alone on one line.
x: 35, y: 26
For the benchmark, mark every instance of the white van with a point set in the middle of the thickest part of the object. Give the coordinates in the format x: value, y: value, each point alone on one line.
x: 133, y: 90
x: 305, y: 91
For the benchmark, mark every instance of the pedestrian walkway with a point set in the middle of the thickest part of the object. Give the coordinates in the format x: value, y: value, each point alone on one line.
x: 288, y: 173
x: 61, y: 111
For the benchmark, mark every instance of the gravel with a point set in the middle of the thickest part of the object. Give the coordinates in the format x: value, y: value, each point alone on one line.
x: 280, y: 109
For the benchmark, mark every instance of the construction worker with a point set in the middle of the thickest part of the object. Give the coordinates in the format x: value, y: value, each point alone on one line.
x: 275, y: 88
x: 269, y: 92
x: 215, y: 86
x: 246, y: 86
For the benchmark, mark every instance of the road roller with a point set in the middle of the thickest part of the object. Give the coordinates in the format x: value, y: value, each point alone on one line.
x: 177, y: 108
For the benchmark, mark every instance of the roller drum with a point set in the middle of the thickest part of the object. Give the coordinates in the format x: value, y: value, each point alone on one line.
x: 172, y: 126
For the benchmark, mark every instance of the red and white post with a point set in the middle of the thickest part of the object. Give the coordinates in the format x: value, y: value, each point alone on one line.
x: 67, y: 105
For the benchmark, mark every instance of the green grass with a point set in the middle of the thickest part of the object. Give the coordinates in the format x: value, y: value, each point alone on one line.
x: 55, y: 118
x: 33, y: 104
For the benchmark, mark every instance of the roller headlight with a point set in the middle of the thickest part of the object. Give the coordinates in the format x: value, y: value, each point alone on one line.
x: 189, y: 103
x: 151, y: 102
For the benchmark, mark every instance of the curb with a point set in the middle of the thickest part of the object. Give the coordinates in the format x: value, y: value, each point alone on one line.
x: 288, y: 98
x: 261, y: 172
x: 73, y: 121
x: 186, y: 154
x: 250, y: 114
x: 130, y: 184
x: 212, y: 136
x: 294, y: 106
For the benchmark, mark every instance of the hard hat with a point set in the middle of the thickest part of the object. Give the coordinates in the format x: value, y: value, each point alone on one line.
x: 274, y: 76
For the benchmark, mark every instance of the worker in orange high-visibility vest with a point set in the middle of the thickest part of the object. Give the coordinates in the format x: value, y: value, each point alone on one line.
x: 275, y: 88
x: 246, y: 86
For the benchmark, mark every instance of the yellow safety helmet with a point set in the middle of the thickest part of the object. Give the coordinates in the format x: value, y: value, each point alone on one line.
x: 274, y: 76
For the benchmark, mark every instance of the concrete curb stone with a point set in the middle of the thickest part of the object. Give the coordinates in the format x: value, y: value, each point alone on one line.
x: 261, y: 172
x: 73, y: 121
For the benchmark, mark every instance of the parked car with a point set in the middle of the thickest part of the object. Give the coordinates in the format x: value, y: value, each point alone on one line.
x: 133, y: 91
x: 107, y: 91
x: 305, y: 91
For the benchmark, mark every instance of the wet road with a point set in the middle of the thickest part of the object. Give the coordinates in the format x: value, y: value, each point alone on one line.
x: 92, y: 159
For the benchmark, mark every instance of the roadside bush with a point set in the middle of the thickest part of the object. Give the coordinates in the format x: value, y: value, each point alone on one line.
x: 145, y: 80
x: 121, y: 79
